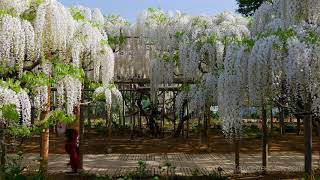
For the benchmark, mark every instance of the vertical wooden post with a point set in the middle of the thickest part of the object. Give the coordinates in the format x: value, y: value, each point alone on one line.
x: 123, y: 113
x: 81, y: 136
x: 298, y: 125
x: 44, y: 151
x: 163, y: 113
x: 89, y: 116
x: 282, y: 128
x: 109, y: 125
x: 271, y: 118
x: 264, y: 140
x: 140, y: 122
x: 3, y: 150
x: 187, y: 120
x: 237, y: 155
x: 307, y: 122
x: 174, y: 112
x: 131, y: 112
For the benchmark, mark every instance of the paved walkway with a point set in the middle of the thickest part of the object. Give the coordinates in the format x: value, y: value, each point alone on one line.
x: 186, y: 164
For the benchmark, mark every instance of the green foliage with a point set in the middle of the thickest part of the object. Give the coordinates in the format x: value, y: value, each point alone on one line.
x: 18, y: 131
x: 30, y: 13
x: 171, y: 57
x: 57, y: 116
x: 283, y: 35
x: 196, y: 128
x: 142, y: 168
x: 107, y: 177
x: 210, y: 39
x: 217, y: 175
x: 101, y: 96
x: 60, y: 70
x: 248, y: 7
x: 158, y: 16
x: 114, y: 41
x: 34, y: 79
x: 196, y: 172
x: 179, y: 34
x: 186, y: 87
x: 200, y: 22
x: 252, y: 131
x: 78, y: 16
x: 116, y: 20
x: 313, y: 38
x: 9, y: 112
x: 13, y: 169
x: 169, y: 168
x: 11, y: 84
x: 11, y: 116
x: 88, y: 84
x: 249, y: 43
x: 10, y: 12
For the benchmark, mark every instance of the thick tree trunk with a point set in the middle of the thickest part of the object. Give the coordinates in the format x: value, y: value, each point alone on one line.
x: 308, y: 140
x: 264, y: 140
x: 179, y: 128
x: 204, y: 128
x: 182, y: 119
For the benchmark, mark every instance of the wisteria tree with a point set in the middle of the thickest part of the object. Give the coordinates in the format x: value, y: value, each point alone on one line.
x: 283, y: 61
x: 44, y: 45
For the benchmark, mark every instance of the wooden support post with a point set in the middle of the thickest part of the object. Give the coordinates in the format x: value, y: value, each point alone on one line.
x: 163, y: 113
x: 271, y: 118
x: 188, y: 120
x: 140, y: 122
x: 308, y: 139
x: 123, y: 113
x: 298, y: 125
x: 131, y: 112
x: 174, y: 112
x: 44, y: 151
x: 237, y: 155
x: 282, y: 127
x: 89, y: 113
x: 109, y: 126
x: 264, y: 140
x: 3, y: 150
x: 81, y: 136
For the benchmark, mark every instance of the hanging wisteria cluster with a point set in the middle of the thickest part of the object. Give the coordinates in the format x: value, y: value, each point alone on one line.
x: 16, y: 42
x: 69, y: 93
x: 20, y: 100
x: 111, y: 94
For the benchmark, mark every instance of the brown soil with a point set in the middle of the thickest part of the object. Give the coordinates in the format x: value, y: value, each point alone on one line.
x: 96, y: 144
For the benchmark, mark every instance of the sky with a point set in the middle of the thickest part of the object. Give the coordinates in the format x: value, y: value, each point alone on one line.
x: 129, y: 9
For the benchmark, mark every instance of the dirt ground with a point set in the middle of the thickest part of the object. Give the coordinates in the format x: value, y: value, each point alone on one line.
x: 95, y: 143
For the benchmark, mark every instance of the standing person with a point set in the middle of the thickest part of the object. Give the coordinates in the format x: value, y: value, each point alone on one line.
x: 72, y: 148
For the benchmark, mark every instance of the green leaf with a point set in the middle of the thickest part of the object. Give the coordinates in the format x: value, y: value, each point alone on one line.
x: 57, y: 115
x: 9, y: 113
x: 77, y: 14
